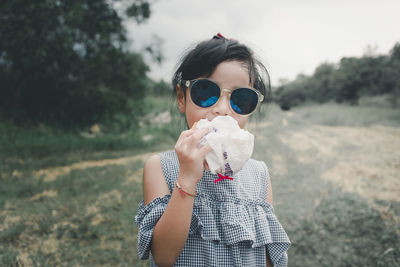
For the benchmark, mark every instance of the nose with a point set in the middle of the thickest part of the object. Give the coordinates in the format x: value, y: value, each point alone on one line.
x: 222, y: 106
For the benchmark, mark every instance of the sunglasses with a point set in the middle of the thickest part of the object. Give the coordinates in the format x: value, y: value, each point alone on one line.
x: 206, y: 93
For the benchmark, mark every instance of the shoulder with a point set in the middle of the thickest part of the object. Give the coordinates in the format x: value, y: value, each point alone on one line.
x: 152, y: 170
x: 154, y: 184
x: 152, y: 161
x: 158, y: 162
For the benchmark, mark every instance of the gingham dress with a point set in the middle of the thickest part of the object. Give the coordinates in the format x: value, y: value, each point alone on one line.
x: 232, y: 224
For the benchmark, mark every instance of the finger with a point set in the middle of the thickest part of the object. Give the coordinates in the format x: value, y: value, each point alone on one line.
x: 189, y: 132
x: 200, y: 133
x: 195, y: 139
x: 186, y: 133
x: 206, y: 167
x: 183, y: 136
x: 205, y: 150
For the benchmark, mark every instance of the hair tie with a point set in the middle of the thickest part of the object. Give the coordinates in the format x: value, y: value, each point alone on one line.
x: 218, y: 36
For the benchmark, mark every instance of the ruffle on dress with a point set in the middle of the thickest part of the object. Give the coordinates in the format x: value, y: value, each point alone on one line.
x: 230, y: 220
x: 224, y: 219
x: 147, y: 217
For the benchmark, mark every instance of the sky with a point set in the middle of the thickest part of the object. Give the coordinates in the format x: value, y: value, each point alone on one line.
x: 290, y: 37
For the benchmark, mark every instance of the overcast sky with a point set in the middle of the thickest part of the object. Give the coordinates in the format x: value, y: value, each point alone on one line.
x: 290, y: 36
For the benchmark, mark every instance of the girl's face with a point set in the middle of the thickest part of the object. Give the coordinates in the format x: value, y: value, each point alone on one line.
x: 228, y: 75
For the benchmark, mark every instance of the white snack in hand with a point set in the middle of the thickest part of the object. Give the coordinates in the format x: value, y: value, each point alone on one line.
x: 231, y: 146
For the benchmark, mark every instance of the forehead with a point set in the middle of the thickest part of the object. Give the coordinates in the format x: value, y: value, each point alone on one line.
x: 231, y: 74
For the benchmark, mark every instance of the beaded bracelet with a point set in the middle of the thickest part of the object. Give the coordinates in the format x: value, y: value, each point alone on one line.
x: 183, y: 191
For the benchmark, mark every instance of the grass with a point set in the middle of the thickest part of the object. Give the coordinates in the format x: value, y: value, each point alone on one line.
x: 12, y: 233
x: 88, y: 221
x: 344, y: 229
x: 43, y: 141
x: 85, y: 216
x: 333, y: 114
x: 327, y: 227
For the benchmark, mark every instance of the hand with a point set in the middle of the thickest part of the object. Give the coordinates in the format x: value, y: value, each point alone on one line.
x: 191, y: 156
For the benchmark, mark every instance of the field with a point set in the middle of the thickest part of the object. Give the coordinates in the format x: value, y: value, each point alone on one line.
x: 335, y: 175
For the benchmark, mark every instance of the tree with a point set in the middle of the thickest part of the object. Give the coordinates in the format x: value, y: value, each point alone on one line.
x: 292, y: 94
x: 392, y: 75
x: 67, y: 61
x: 321, y: 83
x: 369, y: 75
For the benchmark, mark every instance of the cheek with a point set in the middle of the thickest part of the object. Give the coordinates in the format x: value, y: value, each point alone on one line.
x: 242, y: 122
x: 193, y: 114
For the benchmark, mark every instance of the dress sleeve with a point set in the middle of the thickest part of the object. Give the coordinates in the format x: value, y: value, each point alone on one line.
x: 147, y: 217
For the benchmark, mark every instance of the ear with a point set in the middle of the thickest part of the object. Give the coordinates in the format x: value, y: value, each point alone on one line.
x: 180, y: 99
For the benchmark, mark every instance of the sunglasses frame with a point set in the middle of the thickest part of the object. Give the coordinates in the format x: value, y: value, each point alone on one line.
x: 189, y: 83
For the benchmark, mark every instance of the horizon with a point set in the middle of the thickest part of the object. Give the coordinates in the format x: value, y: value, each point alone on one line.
x: 281, y: 34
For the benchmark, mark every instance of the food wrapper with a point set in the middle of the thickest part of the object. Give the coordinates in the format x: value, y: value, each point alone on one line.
x: 231, y: 146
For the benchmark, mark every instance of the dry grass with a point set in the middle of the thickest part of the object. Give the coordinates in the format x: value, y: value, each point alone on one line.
x: 335, y: 175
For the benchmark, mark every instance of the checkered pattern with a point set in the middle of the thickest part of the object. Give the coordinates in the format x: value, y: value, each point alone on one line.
x: 232, y: 224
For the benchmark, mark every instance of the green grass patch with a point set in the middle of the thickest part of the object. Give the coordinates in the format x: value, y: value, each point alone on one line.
x: 333, y: 114
x: 89, y: 220
x: 120, y: 134
x: 12, y: 233
x: 26, y: 143
x: 8, y: 256
x: 344, y: 231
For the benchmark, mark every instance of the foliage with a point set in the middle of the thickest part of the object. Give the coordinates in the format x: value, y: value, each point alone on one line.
x: 292, y: 94
x: 347, y: 81
x: 160, y: 88
x: 44, y: 141
x: 67, y: 61
x: 344, y: 229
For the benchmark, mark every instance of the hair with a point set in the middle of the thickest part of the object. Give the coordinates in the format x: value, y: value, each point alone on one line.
x: 202, y: 60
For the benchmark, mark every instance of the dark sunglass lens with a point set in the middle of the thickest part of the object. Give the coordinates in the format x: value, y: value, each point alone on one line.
x: 244, y: 101
x: 204, y: 93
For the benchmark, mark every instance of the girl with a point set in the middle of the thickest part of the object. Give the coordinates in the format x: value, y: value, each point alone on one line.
x: 185, y: 218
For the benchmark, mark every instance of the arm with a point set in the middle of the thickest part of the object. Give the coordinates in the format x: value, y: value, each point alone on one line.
x: 270, y: 201
x: 171, y: 231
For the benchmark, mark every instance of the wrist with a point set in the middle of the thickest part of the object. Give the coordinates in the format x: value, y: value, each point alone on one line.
x: 187, y: 185
x: 183, y: 191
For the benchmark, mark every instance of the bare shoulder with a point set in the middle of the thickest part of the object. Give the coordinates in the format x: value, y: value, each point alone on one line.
x: 265, y: 172
x: 154, y: 184
x: 269, y: 192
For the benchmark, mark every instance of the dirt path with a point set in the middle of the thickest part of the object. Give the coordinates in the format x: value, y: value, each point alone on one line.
x: 50, y: 174
x: 367, y: 158
x: 362, y: 160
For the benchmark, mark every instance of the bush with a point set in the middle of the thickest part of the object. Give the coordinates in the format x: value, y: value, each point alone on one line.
x: 66, y: 62
x: 346, y: 82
